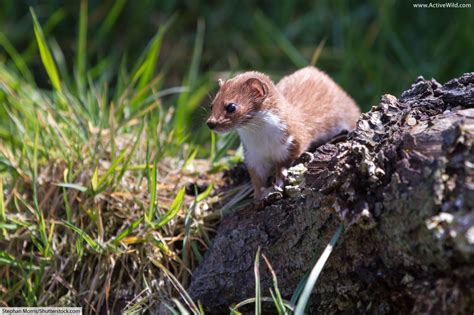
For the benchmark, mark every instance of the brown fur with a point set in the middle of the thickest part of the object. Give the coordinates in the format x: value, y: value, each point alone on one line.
x: 308, y: 102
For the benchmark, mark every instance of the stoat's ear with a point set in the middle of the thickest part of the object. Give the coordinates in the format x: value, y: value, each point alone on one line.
x: 258, y: 88
x: 221, y: 82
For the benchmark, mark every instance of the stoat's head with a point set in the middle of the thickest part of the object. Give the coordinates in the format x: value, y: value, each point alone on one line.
x: 237, y: 100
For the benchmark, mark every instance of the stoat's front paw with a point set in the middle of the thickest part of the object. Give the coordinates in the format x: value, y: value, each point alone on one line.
x: 280, y: 178
x: 265, y: 191
x: 271, y: 194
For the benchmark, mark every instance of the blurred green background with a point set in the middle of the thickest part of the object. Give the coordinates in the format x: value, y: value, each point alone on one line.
x: 370, y: 48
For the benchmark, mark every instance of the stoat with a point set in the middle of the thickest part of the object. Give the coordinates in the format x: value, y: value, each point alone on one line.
x: 276, y: 123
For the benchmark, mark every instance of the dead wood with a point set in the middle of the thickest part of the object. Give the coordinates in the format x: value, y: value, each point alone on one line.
x: 402, y: 184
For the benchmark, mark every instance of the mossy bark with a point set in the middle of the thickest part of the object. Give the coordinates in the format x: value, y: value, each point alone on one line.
x: 402, y: 184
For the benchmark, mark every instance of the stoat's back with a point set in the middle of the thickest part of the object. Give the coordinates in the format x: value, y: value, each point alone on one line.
x: 318, y: 104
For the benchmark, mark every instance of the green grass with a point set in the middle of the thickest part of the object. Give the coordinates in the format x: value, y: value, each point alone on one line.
x: 101, y: 131
x: 93, y: 204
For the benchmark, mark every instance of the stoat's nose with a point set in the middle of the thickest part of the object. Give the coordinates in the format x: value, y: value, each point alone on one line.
x: 211, y: 124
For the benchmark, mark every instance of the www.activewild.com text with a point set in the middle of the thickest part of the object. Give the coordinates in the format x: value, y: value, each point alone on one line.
x: 444, y: 5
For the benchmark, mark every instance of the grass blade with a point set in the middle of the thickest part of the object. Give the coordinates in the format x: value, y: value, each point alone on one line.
x: 146, y: 70
x: 234, y: 309
x: 184, y: 294
x: 72, y: 186
x: 189, y: 219
x: 89, y: 240
x: 111, y: 169
x: 95, y: 180
x: 171, y: 309
x: 8, y: 260
x: 280, y: 39
x: 212, y: 155
x: 16, y: 57
x: 187, y: 102
x: 53, y: 20
x: 173, y: 210
x: 45, y: 53
x: 38, y: 211
x: 317, y: 52
x: 127, y: 231
x: 67, y: 206
x: 313, y: 276
x: 280, y: 309
x: 299, y: 288
x: 151, y: 207
x: 205, y: 193
x: 81, y: 45
x: 225, y: 143
x: 3, y: 216
x: 278, y: 300
x: 111, y: 18
x: 181, y: 308
x: 50, y: 238
x: 258, y: 293
x: 190, y: 158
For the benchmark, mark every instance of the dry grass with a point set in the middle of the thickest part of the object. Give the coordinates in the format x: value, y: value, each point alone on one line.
x: 115, y: 259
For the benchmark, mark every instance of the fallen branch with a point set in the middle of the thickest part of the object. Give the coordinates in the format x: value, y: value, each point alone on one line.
x: 403, y: 185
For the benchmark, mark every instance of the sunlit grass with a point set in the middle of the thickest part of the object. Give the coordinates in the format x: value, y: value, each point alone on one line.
x: 98, y: 205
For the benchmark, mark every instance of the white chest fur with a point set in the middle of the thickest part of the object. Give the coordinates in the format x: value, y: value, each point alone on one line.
x: 265, y: 141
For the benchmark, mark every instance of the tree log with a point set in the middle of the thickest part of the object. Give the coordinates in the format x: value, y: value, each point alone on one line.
x: 403, y: 186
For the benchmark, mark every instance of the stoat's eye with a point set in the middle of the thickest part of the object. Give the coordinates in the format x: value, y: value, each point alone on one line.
x: 230, y: 108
